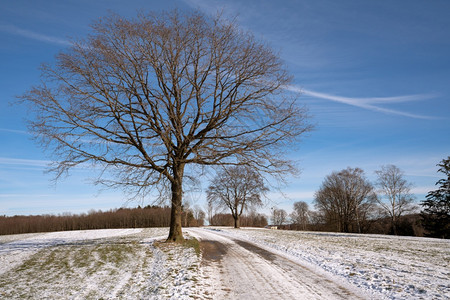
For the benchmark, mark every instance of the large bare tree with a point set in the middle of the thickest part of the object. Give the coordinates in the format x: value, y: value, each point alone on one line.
x: 394, y: 192
x: 345, y: 198
x: 237, y: 188
x: 143, y: 99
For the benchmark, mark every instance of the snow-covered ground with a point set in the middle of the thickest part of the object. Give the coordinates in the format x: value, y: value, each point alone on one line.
x: 386, y: 266
x: 134, y: 264
x: 97, y: 264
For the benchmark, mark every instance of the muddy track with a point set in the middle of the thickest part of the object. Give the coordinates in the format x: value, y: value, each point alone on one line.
x: 246, y: 271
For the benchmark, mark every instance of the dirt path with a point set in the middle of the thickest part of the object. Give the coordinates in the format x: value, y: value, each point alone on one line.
x: 240, y: 270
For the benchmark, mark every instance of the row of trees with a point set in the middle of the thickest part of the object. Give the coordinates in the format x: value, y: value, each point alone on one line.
x: 150, y: 216
x: 348, y: 202
x: 409, y: 224
x: 252, y: 219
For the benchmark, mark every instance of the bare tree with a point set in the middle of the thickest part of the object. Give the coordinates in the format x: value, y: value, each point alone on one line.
x: 344, y: 199
x: 278, y: 216
x: 199, y: 215
x: 145, y: 100
x: 394, y: 192
x: 238, y: 188
x: 300, y: 215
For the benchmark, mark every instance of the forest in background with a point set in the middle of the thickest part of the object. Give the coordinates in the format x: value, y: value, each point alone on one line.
x: 155, y: 216
x: 149, y: 216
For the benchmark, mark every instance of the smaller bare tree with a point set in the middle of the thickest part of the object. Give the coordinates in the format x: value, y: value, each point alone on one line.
x: 394, y: 191
x: 300, y: 215
x: 279, y: 216
x: 237, y: 188
x: 199, y: 215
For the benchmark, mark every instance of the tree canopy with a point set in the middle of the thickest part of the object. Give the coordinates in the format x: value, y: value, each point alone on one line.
x: 141, y: 99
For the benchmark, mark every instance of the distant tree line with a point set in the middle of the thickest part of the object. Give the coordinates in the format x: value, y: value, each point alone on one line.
x: 302, y: 218
x: 149, y: 216
x: 409, y: 225
x: 249, y: 220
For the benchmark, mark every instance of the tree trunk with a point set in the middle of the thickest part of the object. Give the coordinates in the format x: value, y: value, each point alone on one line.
x: 394, y: 225
x: 175, y: 233
x: 236, y: 222
x: 345, y: 227
x: 358, y: 223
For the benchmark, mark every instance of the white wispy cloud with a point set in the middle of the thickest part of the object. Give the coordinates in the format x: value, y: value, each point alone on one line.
x: 292, y: 195
x: 14, y: 131
x: 24, y: 162
x: 12, y: 29
x: 369, y: 103
x: 17, y: 195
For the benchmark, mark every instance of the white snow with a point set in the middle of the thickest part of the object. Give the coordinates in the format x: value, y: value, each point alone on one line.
x: 14, y: 249
x: 94, y: 264
x: 134, y: 264
x: 389, y: 267
x: 251, y: 272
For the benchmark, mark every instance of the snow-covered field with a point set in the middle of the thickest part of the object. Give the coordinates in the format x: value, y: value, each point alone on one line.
x: 386, y: 266
x: 133, y: 264
x: 97, y: 264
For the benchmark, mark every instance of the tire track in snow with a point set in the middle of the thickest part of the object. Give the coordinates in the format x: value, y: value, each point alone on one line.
x: 241, y: 270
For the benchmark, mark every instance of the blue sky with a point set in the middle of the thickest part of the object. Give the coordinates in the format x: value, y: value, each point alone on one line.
x: 375, y: 76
